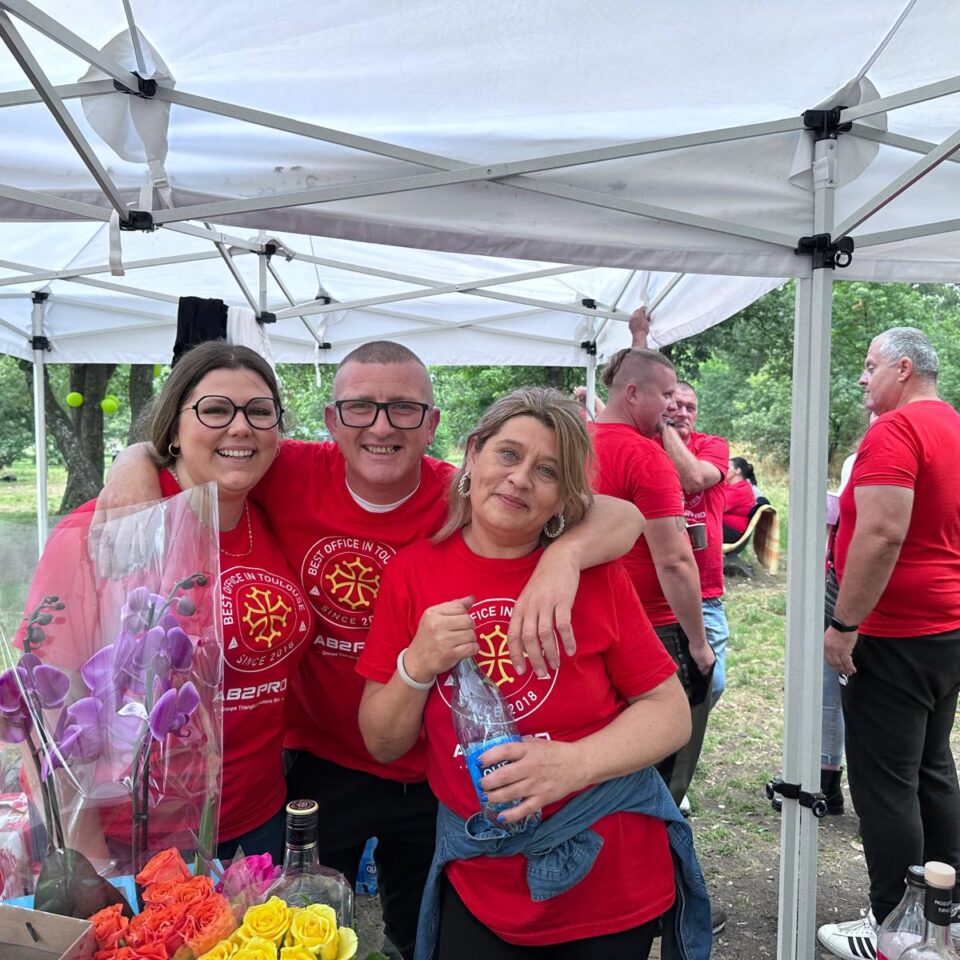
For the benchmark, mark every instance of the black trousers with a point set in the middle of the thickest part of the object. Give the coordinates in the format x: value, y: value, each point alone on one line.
x: 355, y: 806
x: 899, y: 709
x: 464, y: 937
x: 677, y: 770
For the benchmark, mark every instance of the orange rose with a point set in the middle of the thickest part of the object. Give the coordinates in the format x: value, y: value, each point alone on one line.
x: 159, y: 925
x: 209, y: 921
x: 163, y: 893
x: 166, y: 865
x: 196, y: 888
x: 150, y: 951
x: 108, y: 925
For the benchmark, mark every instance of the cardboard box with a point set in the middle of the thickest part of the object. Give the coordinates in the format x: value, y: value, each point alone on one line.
x: 56, y: 938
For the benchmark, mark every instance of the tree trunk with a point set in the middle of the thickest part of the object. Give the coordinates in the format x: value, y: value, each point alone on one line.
x: 555, y: 377
x: 78, y: 434
x: 141, y: 393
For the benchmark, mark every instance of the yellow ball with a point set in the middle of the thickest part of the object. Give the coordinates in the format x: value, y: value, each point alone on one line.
x: 74, y: 399
x: 157, y: 369
x: 109, y: 404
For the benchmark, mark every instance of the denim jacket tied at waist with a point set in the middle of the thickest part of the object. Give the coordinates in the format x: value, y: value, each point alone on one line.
x: 562, y: 849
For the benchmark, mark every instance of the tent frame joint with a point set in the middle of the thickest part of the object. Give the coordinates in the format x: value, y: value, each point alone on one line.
x: 138, y: 220
x: 266, y: 317
x: 41, y: 343
x: 824, y: 252
x: 40, y: 296
x: 146, y: 88
x: 826, y: 124
x: 816, y: 802
x: 590, y: 346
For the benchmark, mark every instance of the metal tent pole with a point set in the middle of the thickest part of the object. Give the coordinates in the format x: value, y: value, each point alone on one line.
x: 40, y: 346
x: 804, y: 653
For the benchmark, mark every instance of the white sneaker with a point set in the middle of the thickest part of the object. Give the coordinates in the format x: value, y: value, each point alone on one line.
x: 684, y: 806
x: 851, y: 940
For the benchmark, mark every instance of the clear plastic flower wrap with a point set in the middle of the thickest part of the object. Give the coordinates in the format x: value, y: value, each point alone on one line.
x: 112, y: 689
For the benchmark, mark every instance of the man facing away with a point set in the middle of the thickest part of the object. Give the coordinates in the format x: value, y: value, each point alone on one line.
x: 895, y: 630
x: 633, y: 466
x: 341, y: 510
x: 702, y: 461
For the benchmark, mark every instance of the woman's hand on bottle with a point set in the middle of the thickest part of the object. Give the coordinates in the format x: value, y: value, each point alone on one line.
x: 538, y: 772
x: 444, y: 637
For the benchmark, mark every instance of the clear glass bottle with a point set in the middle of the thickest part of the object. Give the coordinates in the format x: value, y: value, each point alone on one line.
x: 481, y: 721
x: 904, y: 924
x: 304, y: 880
x: 937, y: 908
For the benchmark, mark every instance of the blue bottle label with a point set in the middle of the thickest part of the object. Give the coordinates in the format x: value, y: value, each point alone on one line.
x: 477, y: 772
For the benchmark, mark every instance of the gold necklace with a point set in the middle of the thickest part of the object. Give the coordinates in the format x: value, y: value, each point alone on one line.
x: 249, y: 550
x: 246, y: 513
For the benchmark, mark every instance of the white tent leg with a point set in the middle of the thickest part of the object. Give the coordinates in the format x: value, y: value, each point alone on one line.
x: 39, y: 421
x: 802, y: 681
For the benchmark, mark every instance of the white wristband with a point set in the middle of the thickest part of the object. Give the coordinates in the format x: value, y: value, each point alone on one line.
x: 407, y: 679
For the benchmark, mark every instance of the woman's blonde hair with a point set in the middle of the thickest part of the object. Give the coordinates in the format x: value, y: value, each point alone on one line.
x: 574, y: 452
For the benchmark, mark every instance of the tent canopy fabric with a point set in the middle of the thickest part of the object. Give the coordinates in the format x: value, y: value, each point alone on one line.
x: 459, y: 130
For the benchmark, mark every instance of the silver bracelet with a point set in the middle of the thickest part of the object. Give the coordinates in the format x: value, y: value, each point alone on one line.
x: 407, y: 679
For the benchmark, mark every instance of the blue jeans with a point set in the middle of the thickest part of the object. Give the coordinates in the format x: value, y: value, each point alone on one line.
x: 718, y: 633
x: 831, y: 719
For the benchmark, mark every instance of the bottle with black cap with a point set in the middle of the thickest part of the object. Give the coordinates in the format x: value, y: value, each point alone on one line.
x: 304, y: 880
x: 938, y: 905
x: 904, y: 924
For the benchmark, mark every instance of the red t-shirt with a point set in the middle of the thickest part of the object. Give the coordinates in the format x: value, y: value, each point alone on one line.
x: 618, y: 656
x: 738, y: 501
x: 266, y: 627
x: 341, y: 551
x: 706, y: 506
x: 917, y: 446
x: 634, y: 468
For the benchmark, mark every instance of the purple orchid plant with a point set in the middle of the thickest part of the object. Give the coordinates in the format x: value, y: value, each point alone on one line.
x: 137, y: 695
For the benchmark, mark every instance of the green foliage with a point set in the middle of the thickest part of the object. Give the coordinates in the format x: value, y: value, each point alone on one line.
x: 743, y: 368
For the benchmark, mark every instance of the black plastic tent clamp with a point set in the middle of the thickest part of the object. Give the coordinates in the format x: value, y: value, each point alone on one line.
x: 267, y: 317
x: 40, y: 296
x: 825, y: 124
x: 138, y: 220
x: 824, y: 253
x: 270, y: 249
x: 145, y: 88
x: 40, y: 343
x: 590, y: 346
x: 817, y: 802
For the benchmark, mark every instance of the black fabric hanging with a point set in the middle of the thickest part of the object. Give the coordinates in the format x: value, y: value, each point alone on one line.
x: 198, y: 320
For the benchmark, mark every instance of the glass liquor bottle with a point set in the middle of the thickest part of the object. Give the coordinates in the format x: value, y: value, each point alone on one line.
x: 481, y: 721
x: 937, y: 908
x: 304, y: 880
x: 904, y: 925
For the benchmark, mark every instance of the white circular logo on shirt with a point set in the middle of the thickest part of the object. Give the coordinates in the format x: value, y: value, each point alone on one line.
x: 524, y: 694
x: 264, y: 618
x: 342, y: 577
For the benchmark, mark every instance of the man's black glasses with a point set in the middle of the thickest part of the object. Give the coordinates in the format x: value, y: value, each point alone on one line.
x: 401, y: 414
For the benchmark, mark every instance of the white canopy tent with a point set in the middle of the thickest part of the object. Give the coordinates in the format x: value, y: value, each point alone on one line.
x: 629, y: 136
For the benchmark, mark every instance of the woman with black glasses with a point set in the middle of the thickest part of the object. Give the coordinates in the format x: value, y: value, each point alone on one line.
x: 219, y: 418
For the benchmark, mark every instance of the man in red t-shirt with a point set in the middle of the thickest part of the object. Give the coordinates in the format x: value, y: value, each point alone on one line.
x: 701, y: 461
x: 895, y: 630
x: 633, y: 466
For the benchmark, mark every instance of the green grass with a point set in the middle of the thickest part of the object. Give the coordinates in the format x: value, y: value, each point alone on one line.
x: 18, y: 501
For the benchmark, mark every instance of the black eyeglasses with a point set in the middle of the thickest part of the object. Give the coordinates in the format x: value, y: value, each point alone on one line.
x: 262, y: 413
x: 401, y: 414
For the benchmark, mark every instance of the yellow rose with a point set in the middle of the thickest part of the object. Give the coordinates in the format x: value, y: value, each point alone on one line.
x: 269, y: 920
x: 347, y: 945
x: 256, y: 948
x: 224, y: 950
x: 314, y: 927
x: 297, y: 953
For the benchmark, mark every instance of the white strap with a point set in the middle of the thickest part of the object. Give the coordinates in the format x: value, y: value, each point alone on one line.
x: 116, y: 252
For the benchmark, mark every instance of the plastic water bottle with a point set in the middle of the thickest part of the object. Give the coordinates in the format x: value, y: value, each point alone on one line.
x: 481, y: 721
x: 367, y: 872
x: 937, y: 908
x: 904, y: 925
